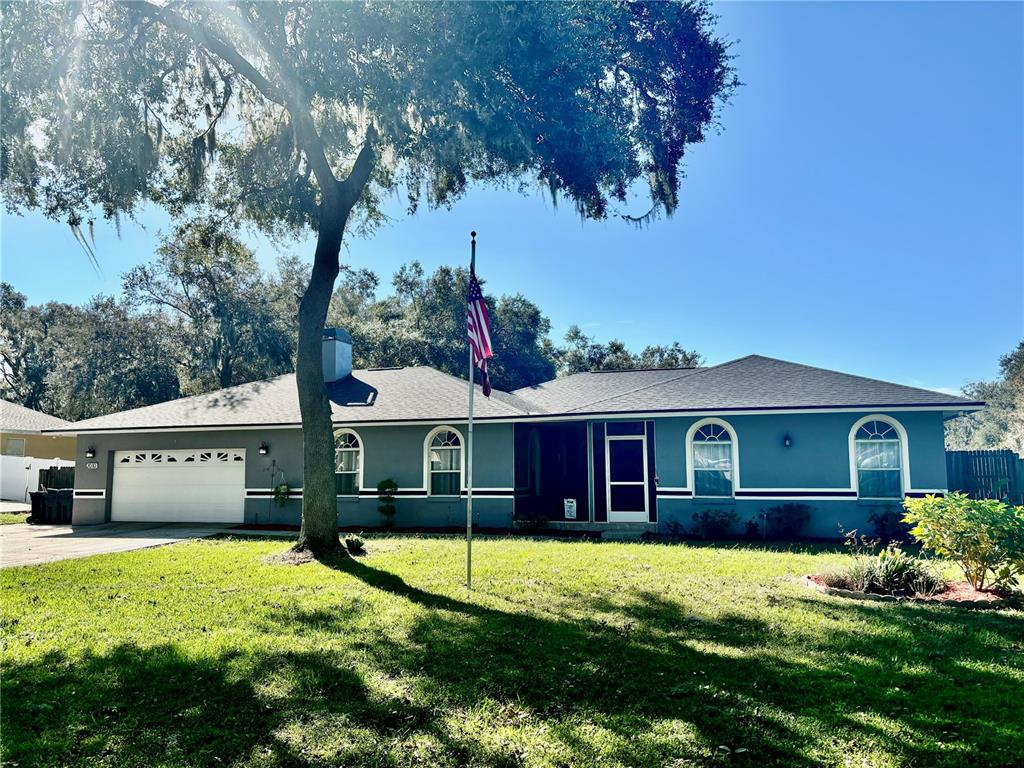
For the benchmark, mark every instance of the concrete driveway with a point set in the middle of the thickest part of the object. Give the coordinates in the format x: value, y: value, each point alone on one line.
x: 34, y: 544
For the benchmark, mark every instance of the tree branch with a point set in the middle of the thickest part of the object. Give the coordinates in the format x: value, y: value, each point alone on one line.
x: 217, y: 47
x: 306, y: 135
x: 357, y: 178
x: 289, y: 97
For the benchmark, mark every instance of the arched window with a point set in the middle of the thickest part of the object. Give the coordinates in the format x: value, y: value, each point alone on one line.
x: 444, y: 462
x: 347, y: 463
x: 712, y: 459
x: 878, y: 459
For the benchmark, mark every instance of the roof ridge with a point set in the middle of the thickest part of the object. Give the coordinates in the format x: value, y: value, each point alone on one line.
x: 211, y: 393
x: 559, y: 379
x: 505, y: 396
x: 858, y: 376
x: 687, y: 372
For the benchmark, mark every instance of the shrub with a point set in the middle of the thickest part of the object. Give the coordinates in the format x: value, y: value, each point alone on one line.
x: 354, y: 544
x: 714, y: 523
x: 889, y: 571
x: 386, y: 490
x: 786, y: 521
x: 985, y: 537
x: 751, y: 530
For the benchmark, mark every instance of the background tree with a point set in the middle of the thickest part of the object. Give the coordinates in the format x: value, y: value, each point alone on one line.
x: 78, y: 362
x: 582, y: 353
x: 424, y: 323
x: 26, y: 356
x: 301, y: 114
x: 226, y: 323
x: 1001, y: 423
x: 107, y: 358
x: 49, y: 353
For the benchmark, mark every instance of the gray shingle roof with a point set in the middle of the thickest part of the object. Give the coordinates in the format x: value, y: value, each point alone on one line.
x: 752, y: 382
x: 426, y: 394
x: 18, y: 418
x: 385, y: 394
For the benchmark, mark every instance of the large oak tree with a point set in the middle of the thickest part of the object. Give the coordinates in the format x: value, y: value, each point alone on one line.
x: 301, y: 115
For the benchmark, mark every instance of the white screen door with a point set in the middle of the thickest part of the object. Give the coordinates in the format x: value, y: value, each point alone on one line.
x: 626, y: 477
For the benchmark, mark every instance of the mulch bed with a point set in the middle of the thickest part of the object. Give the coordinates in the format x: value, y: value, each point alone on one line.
x: 958, y: 593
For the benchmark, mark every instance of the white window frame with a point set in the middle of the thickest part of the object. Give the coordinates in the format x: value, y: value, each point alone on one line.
x: 338, y: 432
x: 11, y: 441
x: 631, y: 516
x: 427, y: 472
x: 904, y: 455
x: 734, y: 444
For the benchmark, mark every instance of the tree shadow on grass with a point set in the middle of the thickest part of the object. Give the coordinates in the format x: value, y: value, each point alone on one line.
x: 922, y: 670
x: 648, y: 684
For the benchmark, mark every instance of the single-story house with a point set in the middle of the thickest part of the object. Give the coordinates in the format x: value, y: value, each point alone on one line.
x: 642, y: 450
x: 25, y: 449
x: 21, y: 433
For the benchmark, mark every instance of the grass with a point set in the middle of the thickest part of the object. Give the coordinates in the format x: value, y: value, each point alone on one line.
x: 566, y: 654
x: 10, y: 518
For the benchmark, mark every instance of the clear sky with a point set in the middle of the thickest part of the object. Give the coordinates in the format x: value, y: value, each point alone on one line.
x: 862, y: 208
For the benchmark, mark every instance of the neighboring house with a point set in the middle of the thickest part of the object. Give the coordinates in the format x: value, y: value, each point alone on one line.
x: 21, y: 434
x: 631, y: 449
x: 25, y: 449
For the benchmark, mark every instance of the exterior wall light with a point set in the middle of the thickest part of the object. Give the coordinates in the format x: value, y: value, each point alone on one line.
x: 787, y: 441
x: 264, y: 449
x: 90, y: 452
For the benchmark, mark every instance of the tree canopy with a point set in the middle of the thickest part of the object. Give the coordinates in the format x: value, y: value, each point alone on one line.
x: 1001, y: 423
x: 109, y: 104
x: 296, y: 115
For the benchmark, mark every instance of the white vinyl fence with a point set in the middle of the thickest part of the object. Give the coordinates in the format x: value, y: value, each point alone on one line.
x: 20, y: 474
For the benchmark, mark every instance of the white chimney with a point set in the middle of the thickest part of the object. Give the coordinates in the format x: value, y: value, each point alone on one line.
x: 337, y: 354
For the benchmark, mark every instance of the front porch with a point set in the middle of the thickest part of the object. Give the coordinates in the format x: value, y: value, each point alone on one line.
x: 596, y: 476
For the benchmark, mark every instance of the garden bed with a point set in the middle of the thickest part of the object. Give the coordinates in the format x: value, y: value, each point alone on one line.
x: 958, y: 593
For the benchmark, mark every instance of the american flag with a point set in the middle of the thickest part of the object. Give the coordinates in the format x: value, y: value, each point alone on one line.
x: 478, y: 329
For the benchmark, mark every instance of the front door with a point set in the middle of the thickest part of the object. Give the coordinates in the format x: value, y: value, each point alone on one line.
x: 626, y: 478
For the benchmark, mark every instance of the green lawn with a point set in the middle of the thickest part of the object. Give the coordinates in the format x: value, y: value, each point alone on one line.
x: 568, y: 653
x: 10, y: 518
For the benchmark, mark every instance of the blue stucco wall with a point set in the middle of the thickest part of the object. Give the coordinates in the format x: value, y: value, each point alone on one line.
x: 819, y: 456
x: 388, y: 451
x: 818, y: 459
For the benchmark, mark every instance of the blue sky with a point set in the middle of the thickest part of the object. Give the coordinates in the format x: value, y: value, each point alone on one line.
x: 862, y: 208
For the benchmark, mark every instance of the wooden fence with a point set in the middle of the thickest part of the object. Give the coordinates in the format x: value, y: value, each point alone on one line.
x: 986, y: 474
x: 57, y: 477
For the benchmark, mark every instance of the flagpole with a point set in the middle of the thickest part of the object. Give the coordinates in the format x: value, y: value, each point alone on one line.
x: 469, y: 445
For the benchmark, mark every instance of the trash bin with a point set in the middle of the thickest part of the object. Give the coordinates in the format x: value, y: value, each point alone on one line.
x: 64, y: 505
x: 38, y: 499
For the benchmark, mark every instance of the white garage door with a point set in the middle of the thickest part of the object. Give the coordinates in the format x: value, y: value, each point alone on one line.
x: 205, y: 485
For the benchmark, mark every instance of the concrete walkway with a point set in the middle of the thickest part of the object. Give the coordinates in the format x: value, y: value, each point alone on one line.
x: 15, y: 506
x: 34, y: 544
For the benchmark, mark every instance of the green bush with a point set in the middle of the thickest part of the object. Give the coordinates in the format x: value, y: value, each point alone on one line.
x: 984, y: 537
x: 786, y: 521
x: 714, y: 523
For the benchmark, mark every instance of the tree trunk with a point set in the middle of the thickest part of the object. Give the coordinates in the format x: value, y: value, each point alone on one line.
x: 319, y: 533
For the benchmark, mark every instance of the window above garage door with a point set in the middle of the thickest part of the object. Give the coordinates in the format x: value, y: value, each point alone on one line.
x: 152, y: 458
